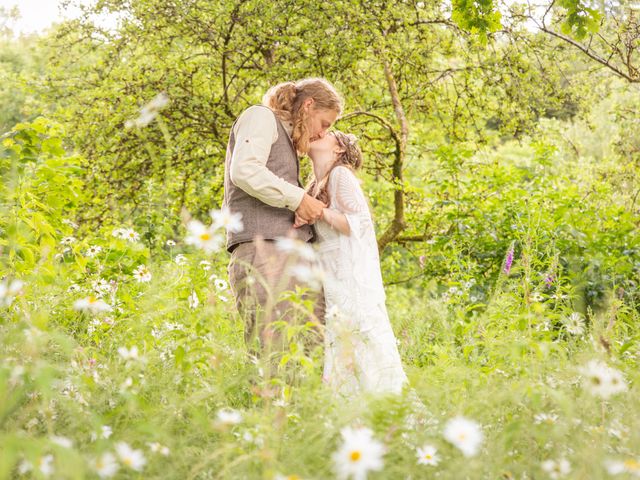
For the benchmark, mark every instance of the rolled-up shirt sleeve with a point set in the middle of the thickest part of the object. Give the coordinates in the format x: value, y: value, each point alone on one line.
x: 255, y: 131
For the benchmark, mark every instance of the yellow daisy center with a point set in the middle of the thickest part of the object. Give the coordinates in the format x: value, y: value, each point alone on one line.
x: 355, y: 456
x: 428, y: 456
x: 93, y: 299
x: 632, y: 465
x: 128, y: 461
x: 205, y: 236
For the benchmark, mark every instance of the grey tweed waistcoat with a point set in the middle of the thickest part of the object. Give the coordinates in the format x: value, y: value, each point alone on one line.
x: 258, y: 217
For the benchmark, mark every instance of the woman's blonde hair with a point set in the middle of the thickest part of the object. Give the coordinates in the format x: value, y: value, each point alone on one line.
x: 286, y: 100
x: 350, y: 157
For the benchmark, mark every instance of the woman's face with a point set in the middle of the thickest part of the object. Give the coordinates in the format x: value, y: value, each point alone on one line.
x: 319, y: 121
x: 323, y: 146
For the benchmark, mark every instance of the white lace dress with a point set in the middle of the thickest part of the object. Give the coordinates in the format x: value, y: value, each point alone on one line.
x: 361, y: 354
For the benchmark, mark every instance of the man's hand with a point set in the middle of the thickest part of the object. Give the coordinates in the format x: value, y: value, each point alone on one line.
x: 299, y: 222
x: 309, y: 210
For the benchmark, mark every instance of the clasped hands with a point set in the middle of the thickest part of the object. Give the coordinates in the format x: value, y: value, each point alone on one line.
x: 309, y: 211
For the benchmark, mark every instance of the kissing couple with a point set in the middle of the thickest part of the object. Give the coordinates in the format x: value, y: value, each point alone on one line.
x: 318, y: 240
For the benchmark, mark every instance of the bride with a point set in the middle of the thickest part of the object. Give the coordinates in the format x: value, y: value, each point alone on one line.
x: 361, y: 354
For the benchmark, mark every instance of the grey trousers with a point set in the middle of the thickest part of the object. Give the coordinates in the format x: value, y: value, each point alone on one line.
x: 259, y: 275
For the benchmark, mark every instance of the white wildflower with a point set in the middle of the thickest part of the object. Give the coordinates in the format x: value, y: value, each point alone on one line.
x: 359, y: 454
x: 93, y: 250
x: 574, y: 324
x: 106, y: 465
x: 602, y: 380
x: 91, y: 304
x: 229, y: 416
x: 556, y: 469
x: 62, y: 441
x: 142, y: 274
x: 464, y: 434
x: 193, y: 300
x: 203, y: 237
x: 45, y: 465
x: 133, y: 459
x: 129, y: 353
x: 427, y: 455
x: 223, y: 218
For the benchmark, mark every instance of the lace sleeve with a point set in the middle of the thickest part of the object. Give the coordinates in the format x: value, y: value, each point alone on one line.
x: 359, y: 248
x: 348, y: 198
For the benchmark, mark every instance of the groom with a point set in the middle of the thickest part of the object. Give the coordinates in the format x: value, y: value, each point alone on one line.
x: 262, y: 183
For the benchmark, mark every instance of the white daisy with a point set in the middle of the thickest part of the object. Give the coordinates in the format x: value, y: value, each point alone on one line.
x: 464, y: 434
x: 229, y: 416
x: 120, y: 233
x: 133, y: 459
x: 62, y: 441
x: 171, y: 243
x: 556, y: 469
x: 142, y: 274
x: 193, y: 300
x: 223, y: 218
x: 93, y: 250
x: 203, y: 237
x: 131, y: 235
x: 616, y: 467
x: 45, y: 465
x: 129, y: 354
x: 180, y: 259
x: 206, y: 266
x: 101, y: 286
x: 73, y: 225
x: 105, y: 432
x: 68, y: 240
x: 574, y: 324
x: 92, y: 304
x: 106, y: 465
x: 427, y: 455
x: 220, y: 284
x: 539, y: 418
x: 602, y: 380
x: 155, y: 447
x: 358, y: 454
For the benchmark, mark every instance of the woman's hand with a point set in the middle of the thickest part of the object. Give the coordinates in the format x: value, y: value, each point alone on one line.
x: 299, y: 222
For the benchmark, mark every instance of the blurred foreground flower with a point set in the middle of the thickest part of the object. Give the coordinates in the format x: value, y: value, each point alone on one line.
x: 133, y: 459
x: 556, y: 468
x: 91, y: 304
x: 229, y: 416
x: 464, y: 434
x: 223, y: 218
x: 8, y: 291
x: 149, y: 111
x: 203, y: 237
x: 106, y: 465
x: 616, y: 467
x: 427, y: 455
x: 602, y: 380
x: 358, y: 454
